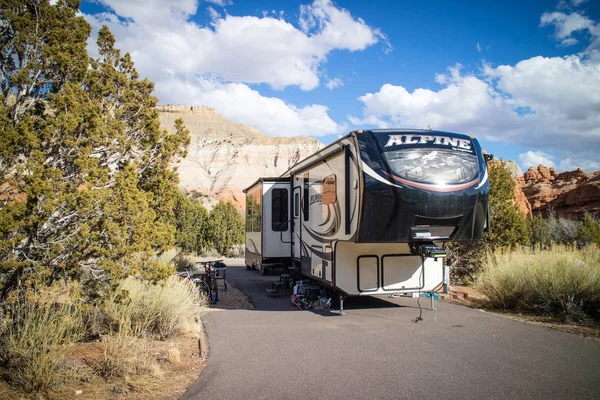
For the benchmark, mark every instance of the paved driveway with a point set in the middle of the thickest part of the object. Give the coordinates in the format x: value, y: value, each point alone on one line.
x: 375, y: 351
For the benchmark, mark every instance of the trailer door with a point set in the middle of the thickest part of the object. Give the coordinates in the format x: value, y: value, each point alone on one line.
x: 297, y: 222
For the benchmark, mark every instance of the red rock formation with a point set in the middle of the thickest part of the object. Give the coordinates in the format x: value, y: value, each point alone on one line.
x: 569, y: 194
x: 517, y: 175
x: 520, y: 199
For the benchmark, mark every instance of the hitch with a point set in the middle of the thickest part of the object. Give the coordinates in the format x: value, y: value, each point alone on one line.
x: 430, y: 250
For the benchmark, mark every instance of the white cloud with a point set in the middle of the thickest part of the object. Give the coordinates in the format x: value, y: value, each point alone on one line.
x: 249, y: 49
x: 567, y: 24
x: 569, y: 42
x: 220, y: 3
x: 238, y: 102
x: 586, y: 160
x: 156, y: 12
x: 588, y: 163
x: 334, y: 28
x: 546, y: 102
x: 211, y: 65
x: 535, y: 158
x: 214, y: 14
x: 334, y: 83
x: 479, y: 49
x: 577, y: 2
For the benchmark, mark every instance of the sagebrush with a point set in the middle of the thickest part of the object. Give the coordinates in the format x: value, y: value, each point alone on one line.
x: 144, y: 309
x: 35, y: 334
x: 562, y: 281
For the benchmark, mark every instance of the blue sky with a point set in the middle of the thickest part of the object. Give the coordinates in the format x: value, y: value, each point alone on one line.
x: 522, y: 76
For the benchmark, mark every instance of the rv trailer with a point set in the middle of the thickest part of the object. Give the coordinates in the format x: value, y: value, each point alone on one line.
x: 268, y: 229
x: 369, y: 213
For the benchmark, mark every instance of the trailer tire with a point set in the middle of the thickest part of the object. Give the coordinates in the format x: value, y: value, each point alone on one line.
x: 253, y: 267
x: 248, y: 267
x: 262, y: 269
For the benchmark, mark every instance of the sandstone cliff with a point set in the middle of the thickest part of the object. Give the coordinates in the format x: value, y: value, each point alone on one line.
x: 570, y: 194
x: 224, y: 157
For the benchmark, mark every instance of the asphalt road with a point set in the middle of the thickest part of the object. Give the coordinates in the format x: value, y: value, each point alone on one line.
x: 376, y: 351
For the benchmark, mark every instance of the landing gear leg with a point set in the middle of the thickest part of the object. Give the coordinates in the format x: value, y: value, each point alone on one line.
x: 341, y: 304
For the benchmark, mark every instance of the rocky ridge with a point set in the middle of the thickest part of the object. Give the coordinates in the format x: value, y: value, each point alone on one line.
x: 225, y: 157
x: 569, y: 194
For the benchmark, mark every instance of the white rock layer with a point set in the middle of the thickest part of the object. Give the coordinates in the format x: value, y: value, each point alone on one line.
x: 225, y: 157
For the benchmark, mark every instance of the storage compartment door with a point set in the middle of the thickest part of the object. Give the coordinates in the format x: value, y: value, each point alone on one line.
x: 402, y: 272
x: 367, y: 273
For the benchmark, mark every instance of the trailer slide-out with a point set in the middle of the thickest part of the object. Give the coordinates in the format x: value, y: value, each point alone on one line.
x: 369, y: 213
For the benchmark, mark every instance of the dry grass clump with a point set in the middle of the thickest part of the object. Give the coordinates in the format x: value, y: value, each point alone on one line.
x: 35, y: 334
x: 144, y: 309
x: 562, y: 281
x: 125, y: 356
x: 174, y: 355
x: 37, y: 329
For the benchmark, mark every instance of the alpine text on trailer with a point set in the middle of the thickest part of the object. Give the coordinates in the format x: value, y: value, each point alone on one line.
x: 369, y: 214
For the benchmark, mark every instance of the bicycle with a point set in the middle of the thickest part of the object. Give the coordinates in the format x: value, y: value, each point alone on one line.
x: 201, y: 285
x: 213, y: 271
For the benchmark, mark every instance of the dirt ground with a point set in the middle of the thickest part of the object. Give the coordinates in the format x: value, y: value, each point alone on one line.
x: 169, y: 379
x: 469, y: 297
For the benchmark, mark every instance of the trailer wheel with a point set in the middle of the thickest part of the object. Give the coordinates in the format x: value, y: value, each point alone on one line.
x: 247, y: 267
x: 253, y: 267
x: 262, y: 269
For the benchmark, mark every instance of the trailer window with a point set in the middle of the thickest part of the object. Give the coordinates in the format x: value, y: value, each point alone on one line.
x: 257, y: 212
x: 433, y: 165
x: 279, y: 210
x: 249, y: 215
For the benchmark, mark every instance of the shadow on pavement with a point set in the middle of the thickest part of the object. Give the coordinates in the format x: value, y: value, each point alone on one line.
x: 255, y: 286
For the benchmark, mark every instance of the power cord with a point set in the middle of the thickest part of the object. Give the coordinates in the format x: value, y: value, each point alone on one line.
x: 420, y: 317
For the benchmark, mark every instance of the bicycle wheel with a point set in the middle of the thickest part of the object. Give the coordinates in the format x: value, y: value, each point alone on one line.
x: 214, y: 291
x: 203, y: 289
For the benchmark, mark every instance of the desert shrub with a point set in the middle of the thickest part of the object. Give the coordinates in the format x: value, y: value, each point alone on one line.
x: 589, y: 231
x: 34, y: 337
x: 563, y: 230
x: 541, y: 233
x: 161, y: 310
x: 466, y: 260
x: 125, y: 356
x: 238, y: 251
x: 210, y: 252
x: 562, y: 281
x: 182, y: 262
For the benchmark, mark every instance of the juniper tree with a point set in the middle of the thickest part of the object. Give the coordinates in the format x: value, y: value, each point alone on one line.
x: 191, y: 222
x: 87, y: 183
x: 226, y: 227
x: 508, y: 226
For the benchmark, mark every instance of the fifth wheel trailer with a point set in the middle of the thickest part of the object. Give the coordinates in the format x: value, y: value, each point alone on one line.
x: 369, y: 214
